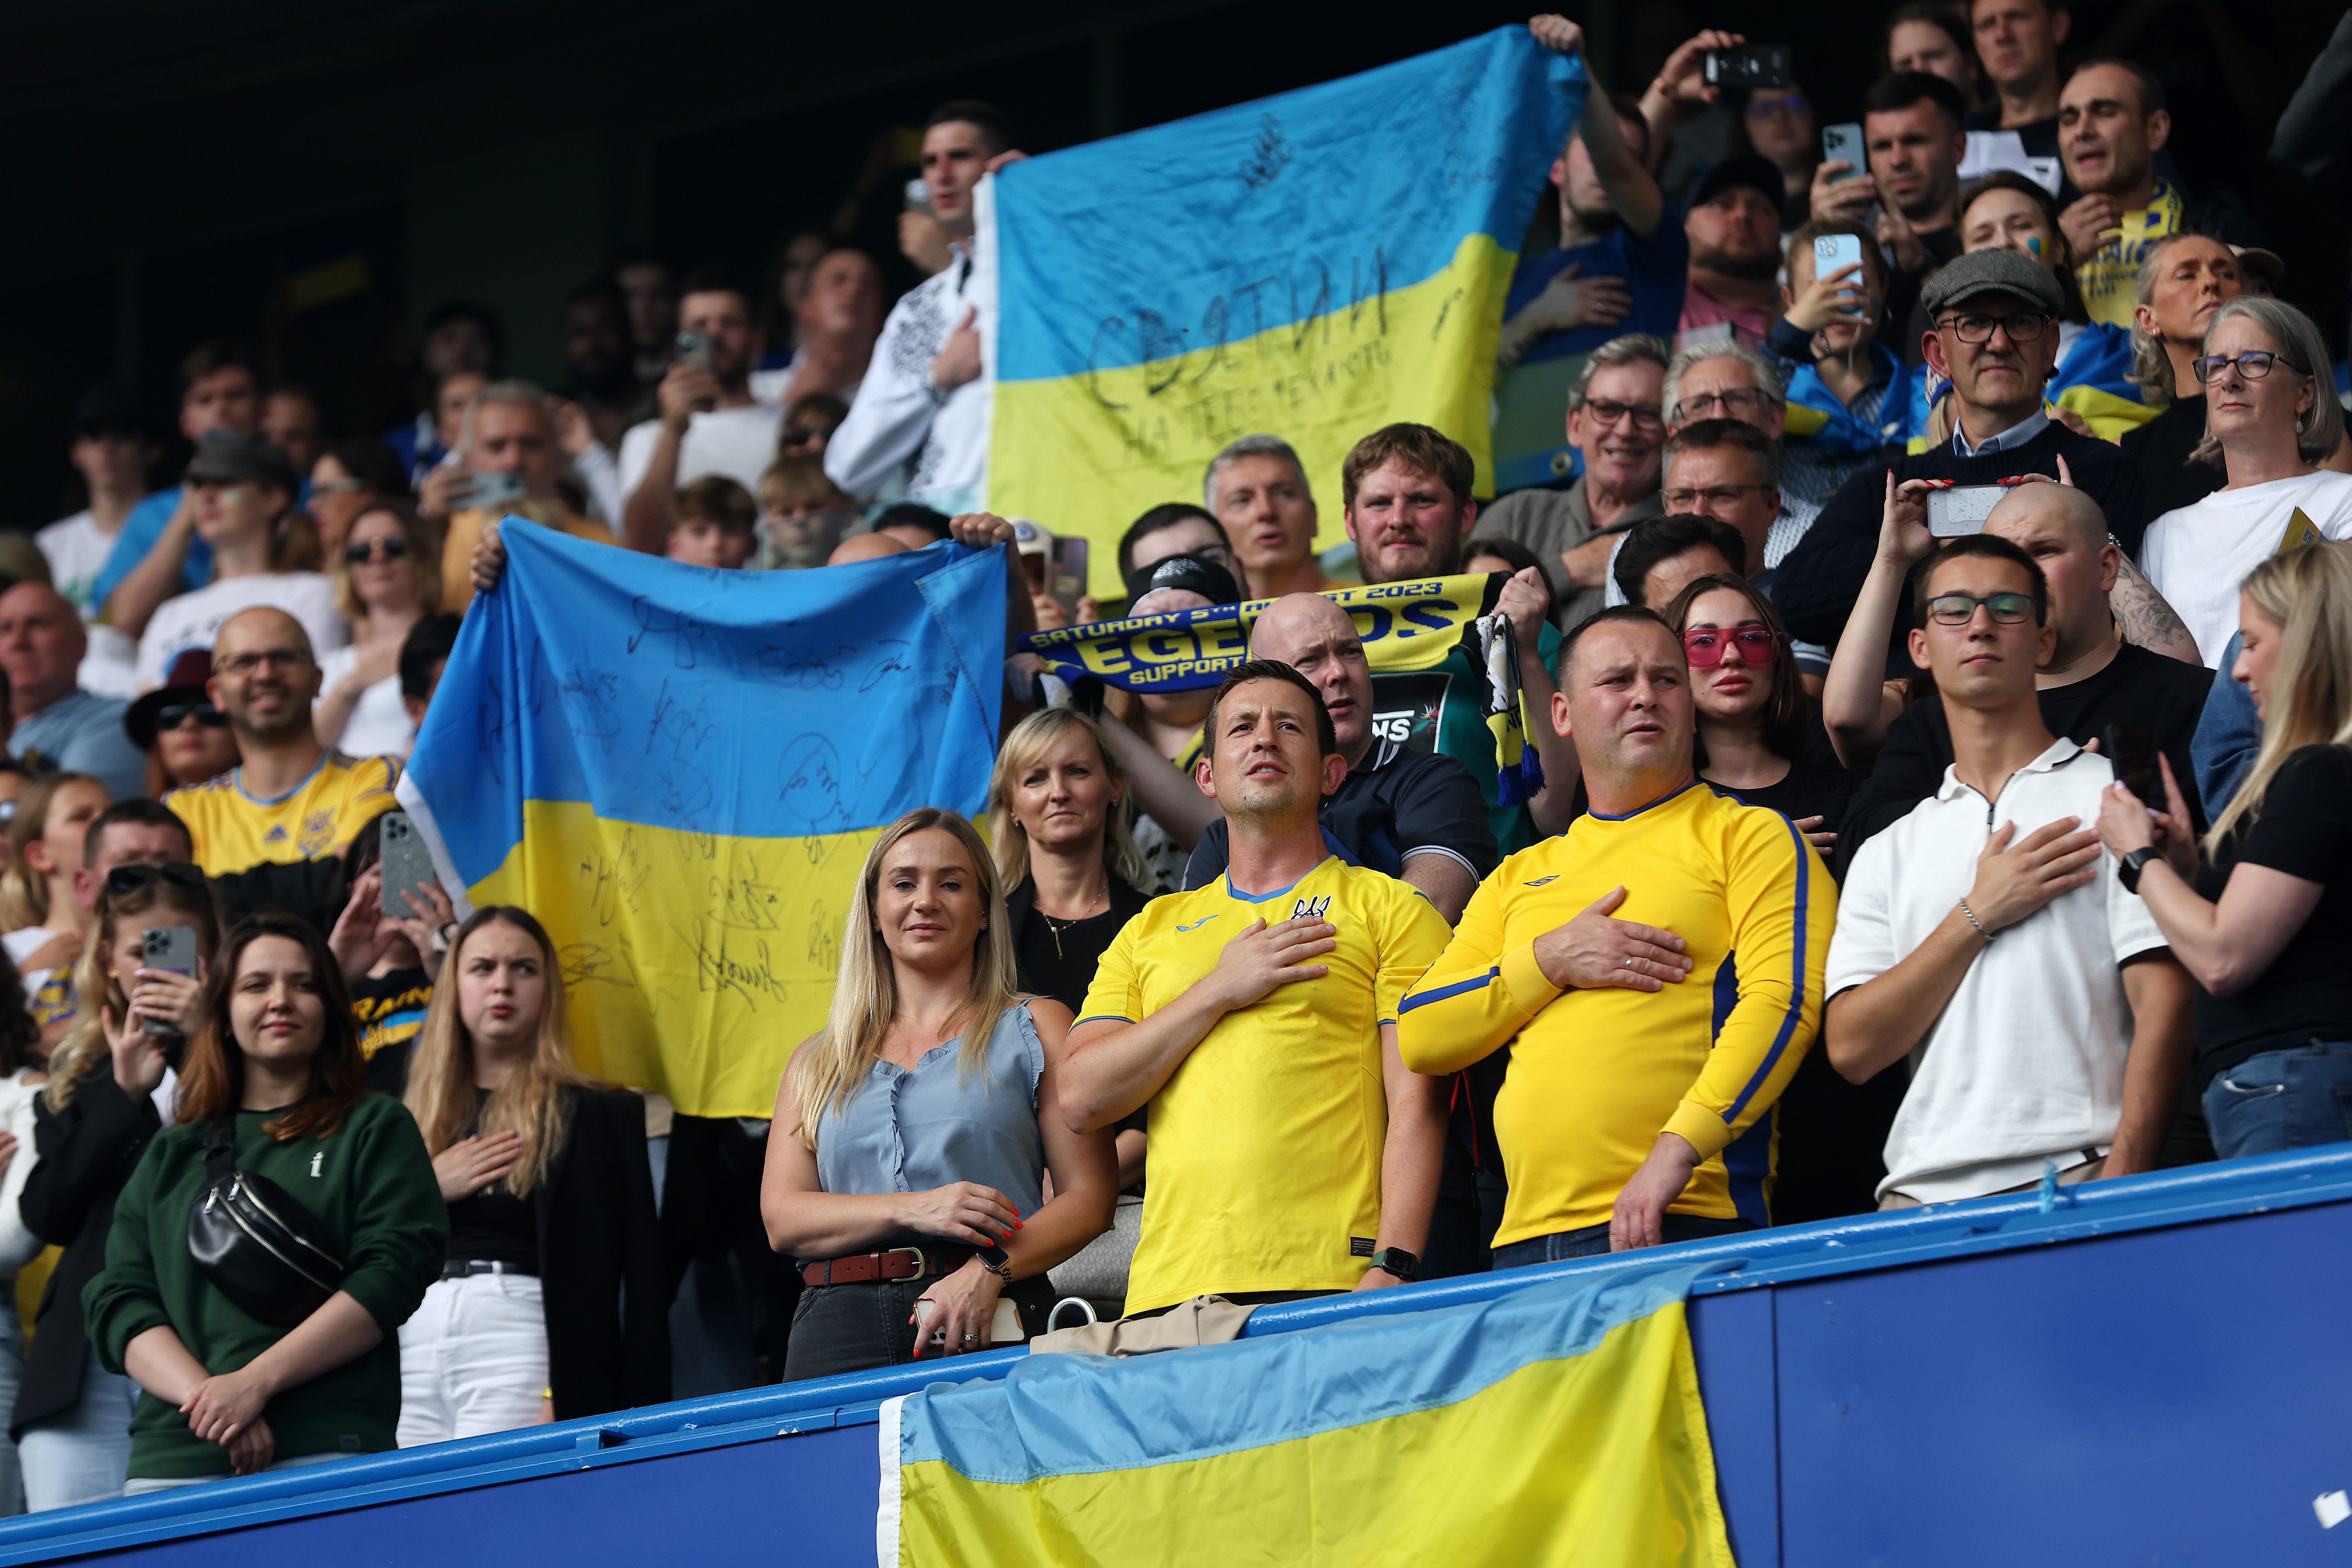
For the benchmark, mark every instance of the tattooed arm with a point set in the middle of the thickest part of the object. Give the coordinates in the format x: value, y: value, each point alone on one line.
x: 2145, y: 619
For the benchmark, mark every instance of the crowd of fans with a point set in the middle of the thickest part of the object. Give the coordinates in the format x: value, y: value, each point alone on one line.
x: 1881, y: 859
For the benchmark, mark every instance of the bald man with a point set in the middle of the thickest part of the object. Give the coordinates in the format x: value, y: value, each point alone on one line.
x: 58, y: 725
x: 2094, y: 678
x: 292, y: 800
x: 1402, y: 809
x: 866, y: 547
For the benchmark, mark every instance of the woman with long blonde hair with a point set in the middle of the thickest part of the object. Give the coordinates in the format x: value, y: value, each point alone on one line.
x: 553, y: 1300
x: 2263, y: 919
x: 912, y: 1136
x: 44, y: 922
x: 110, y: 1091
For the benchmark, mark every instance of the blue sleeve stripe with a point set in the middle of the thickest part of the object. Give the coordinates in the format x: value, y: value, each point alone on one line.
x: 1460, y: 987
x: 1102, y: 1018
x: 1796, y: 983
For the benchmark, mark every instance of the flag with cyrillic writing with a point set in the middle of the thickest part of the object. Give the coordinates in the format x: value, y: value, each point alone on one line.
x: 679, y: 771
x: 1312, y: 265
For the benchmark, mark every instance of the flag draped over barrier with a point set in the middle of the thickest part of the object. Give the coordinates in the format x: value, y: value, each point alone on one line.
x: 1405, y: 626
x: 679, y: 771
x: 1314, y: 265
x: 1560, y: 1425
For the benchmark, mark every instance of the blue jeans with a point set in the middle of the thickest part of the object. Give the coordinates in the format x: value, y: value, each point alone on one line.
x: 2283, y: 1100
x: 1593, y: 1240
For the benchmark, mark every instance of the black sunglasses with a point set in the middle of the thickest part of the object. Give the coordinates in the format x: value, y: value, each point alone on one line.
x: 359, y: 552
x: 171, y: 715
x: 139, y: 874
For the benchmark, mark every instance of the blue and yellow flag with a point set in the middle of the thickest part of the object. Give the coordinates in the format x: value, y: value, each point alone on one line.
x: 1315, y: 266
x: 1560, y: 1425
x: 679, y: 771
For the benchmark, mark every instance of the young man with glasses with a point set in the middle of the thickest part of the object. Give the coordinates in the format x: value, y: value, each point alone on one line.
x: 2045, y: 1021
x: 1996, y: 341
x: 291, y: 800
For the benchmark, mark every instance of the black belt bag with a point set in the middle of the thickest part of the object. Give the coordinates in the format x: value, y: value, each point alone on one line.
x: 259, y: 1247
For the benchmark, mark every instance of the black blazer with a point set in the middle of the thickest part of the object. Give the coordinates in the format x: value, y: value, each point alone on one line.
x: 87, y: 1152
x: 600, y: 1261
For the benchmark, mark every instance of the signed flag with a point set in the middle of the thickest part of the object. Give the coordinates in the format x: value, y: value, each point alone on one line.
x: 1314, y: 265
x: 1560, y: 1425
x: 679, y: 771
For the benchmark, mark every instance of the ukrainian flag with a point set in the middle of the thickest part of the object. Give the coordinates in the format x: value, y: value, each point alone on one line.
x: 1314, y: 265
x: 679, y: 771
x: 1560, y: 1425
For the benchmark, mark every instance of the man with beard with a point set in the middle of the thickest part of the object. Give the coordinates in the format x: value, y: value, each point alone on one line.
x: 599, y: 361
x: 1734, y: 228
x: 1912, y: 124
x: 709, y: 422
x: 291, y: 802
x: 2112, y: 123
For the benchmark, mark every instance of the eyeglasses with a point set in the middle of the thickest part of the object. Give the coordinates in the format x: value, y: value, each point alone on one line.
x: 171, y: 715
x: 803, y: 435
x: 140, y: 874
x: 1707, y: 646
x: 1715, y: 495
x: 247, y: 663
x: 2024, y: 327
x: 1959, y: 609
x: 2254, y: 365
x: 359, y: 552
x: 1763, y: 106
x: 1646, y: 418
x: 1714, y: 405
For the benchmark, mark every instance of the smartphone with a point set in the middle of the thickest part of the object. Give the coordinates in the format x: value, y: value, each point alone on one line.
x: 495, y: 491
x: 1003, y: 1326
x: 167, y: 947
x: 407, y: 865
x: 1844, y: 141
x: 1832, y: 253
x: 1962, y: 509
x: 1065, y: 573
x: 694, y: 349
x: 1748, y: 64
x: 2131, y: 752
x: 918, y: 198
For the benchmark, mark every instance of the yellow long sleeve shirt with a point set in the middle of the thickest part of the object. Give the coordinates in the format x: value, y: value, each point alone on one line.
x: 1595, y: 1075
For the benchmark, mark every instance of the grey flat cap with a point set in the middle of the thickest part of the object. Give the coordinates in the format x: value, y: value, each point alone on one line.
x: 1981, y: 272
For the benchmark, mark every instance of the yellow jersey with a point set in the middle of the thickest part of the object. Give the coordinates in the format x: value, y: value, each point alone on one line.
x: 1595, y: 1075
x: 1266, y: 1140
x: 317, y: 818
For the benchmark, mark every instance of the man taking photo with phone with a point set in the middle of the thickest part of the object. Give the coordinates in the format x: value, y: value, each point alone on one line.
x: 1983, y: 937
x: 710, y: 424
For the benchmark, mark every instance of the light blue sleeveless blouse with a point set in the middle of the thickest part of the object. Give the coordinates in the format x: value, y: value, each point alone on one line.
x: 909, y: 1129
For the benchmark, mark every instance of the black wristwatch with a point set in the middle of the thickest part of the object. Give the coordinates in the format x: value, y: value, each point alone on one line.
x: 2128, y: 869
x: 1397, y: 1261
x: 998, y: 1261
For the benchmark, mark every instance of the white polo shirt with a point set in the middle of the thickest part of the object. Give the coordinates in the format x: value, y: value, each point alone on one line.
x: 2027, y: 1061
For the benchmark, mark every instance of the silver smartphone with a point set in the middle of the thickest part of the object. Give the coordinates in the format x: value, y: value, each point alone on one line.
x: 1962, y: 509
x: 1832, y: 253
x: 167, y: 947
x: 407, y: 866
x: 495, y: 491
x: 1846, y: 141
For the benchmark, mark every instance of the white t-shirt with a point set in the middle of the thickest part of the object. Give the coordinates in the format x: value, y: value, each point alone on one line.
x: 736, y: 442
x: 192, y: 620
x: 77, y: 552
x: 2026, y: 1061
x: 379, y: 725
x: 2197, y: 555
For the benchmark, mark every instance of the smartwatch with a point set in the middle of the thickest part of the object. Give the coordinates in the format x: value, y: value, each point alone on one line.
x: 2128, y: 869
x: 1397, y: 1261
x: 998, y: 1261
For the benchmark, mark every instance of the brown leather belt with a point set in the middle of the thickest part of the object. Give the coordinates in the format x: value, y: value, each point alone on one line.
x: 894, y: 1263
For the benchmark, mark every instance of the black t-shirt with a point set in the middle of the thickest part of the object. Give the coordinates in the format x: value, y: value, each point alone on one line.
x: 2168, y: 479
x: 2137, y: 688
x: 2304, y: 830
x: 1808, y: 790
x: 1814, y: 589
x: 493, y: 1227
x: 1057, y: 958
x: 1399, y: 803
x: 390, y: 1011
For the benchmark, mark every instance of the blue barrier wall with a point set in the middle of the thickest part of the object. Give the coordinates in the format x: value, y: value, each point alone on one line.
x: 2147, y: 1370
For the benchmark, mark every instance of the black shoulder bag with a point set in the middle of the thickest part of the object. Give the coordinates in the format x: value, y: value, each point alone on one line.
x: 259, y: 1247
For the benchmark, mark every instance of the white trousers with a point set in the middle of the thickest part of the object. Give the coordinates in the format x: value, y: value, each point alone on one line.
x: 473, y: 1359
x: 80, y: 1455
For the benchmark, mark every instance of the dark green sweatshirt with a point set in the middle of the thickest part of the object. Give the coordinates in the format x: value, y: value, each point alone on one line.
x: 372, y: 1185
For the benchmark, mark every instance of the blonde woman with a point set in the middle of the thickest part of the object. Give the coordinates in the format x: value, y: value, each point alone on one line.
x: 553, y: 1300
x: 386, y: 578
x: 108, y: 1093
x: 913, y: 1134
x: 2262, y: 920
x: 45, y: 923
